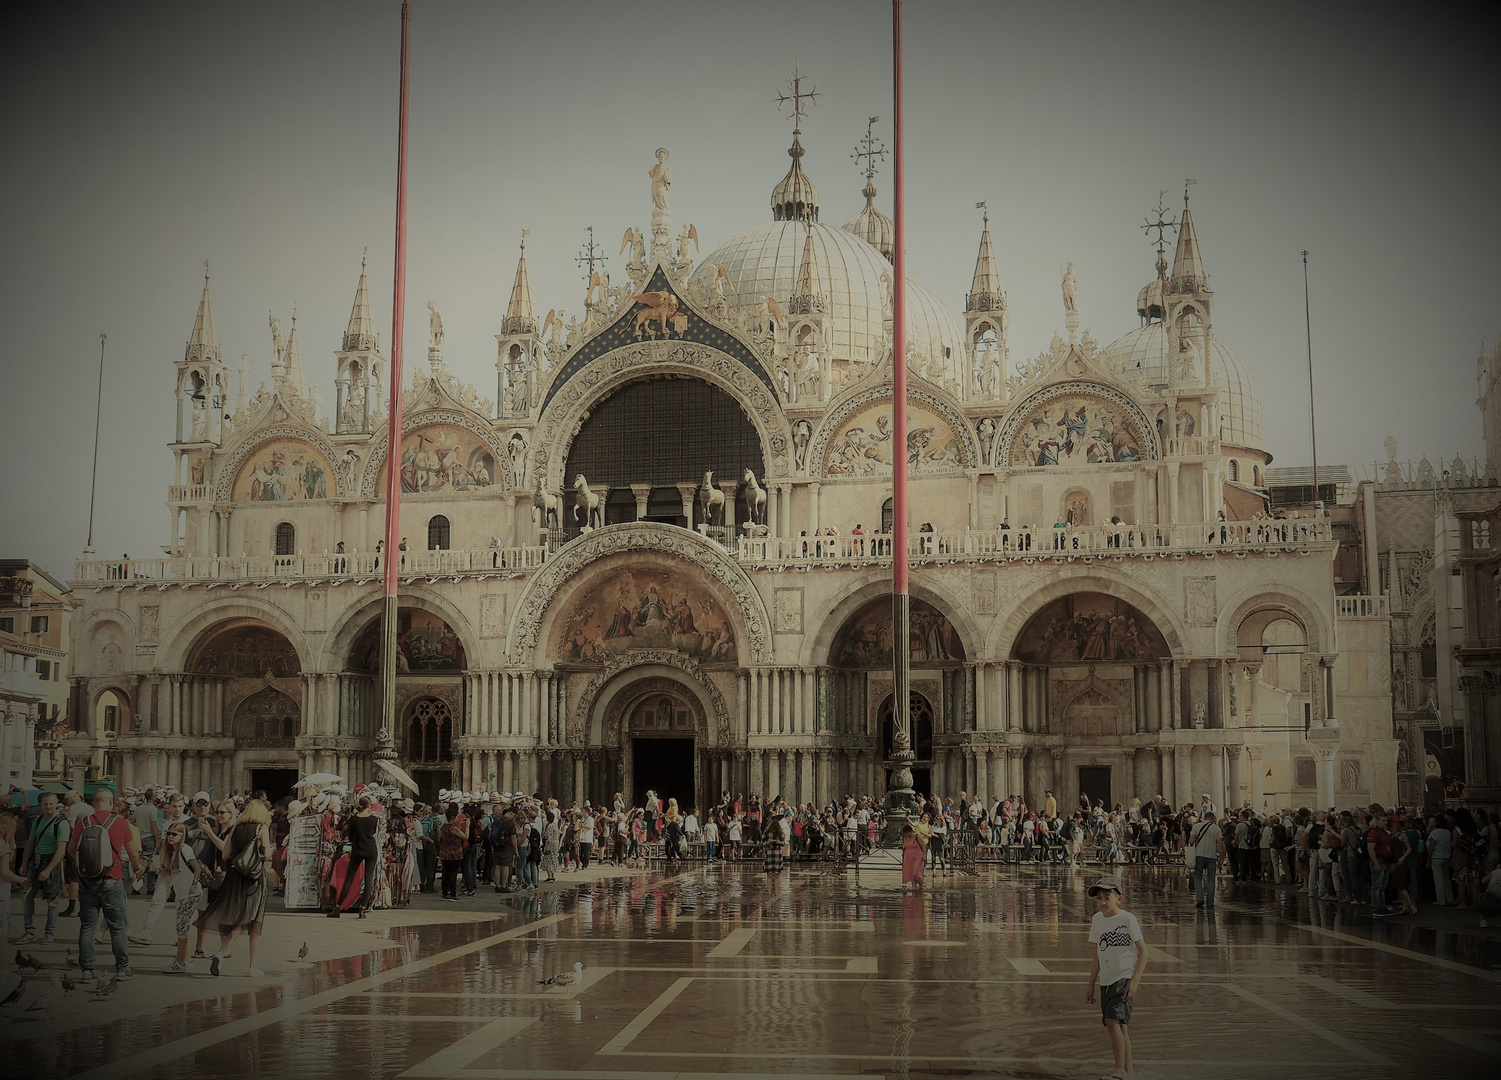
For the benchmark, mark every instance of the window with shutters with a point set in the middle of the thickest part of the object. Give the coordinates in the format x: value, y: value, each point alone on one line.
x: 286, y: 539
x: 437, y: 533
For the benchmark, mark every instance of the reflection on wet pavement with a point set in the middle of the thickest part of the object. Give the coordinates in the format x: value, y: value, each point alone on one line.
x: 715, y: 972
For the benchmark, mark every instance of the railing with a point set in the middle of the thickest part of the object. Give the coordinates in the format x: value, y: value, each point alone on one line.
x: 1037, y: 542
x: 1193, y: 447
x: 187, y: 493
x: 289, y: 568
x: 1362, y: 607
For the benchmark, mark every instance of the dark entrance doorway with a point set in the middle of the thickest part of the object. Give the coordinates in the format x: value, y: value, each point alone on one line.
x: 1094, y: 781
x: 430, y: 782
x: 664, y: 766
x: 922, y: 783
x: 276, y: 783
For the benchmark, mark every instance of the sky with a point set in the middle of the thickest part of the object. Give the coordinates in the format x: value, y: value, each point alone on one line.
x: 146, y: 139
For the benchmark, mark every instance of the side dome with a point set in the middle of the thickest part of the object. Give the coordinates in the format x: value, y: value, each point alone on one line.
x: 1145, y: 349
x: 934, y: 338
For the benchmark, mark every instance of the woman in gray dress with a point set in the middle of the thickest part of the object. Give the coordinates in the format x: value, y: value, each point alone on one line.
x: 552, y: 838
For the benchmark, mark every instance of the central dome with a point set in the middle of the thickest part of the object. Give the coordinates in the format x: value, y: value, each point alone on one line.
x: 1145, y: 349
x: 764, y: 260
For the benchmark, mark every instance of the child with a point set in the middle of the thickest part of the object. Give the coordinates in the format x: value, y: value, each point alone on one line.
x: 1119, y: 959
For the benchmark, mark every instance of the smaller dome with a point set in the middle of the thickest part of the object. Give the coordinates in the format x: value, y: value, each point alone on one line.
x: 872, y: 226
x: 796, y: 197
x: 934, y: 335
x: 1145, y: 349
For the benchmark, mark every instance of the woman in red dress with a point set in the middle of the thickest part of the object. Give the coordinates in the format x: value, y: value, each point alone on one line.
x: 912, y: 857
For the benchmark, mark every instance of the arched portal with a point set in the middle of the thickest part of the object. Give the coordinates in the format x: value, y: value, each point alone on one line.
x: 658, y: 739
x: 920, y: 716
x: 428, y: 732
x: 661, y: 433
x: 247, y: 677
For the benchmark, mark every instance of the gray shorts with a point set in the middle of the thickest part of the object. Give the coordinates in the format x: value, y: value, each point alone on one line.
x: 1113, y: 1003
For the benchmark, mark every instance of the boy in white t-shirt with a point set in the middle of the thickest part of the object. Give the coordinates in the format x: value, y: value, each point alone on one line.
x: 1120, y: 957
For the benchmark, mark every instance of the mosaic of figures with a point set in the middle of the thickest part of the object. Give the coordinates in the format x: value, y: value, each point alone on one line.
x: 1085, y: 627
x: 284, y: 470
x: 424, y: 642
x: 445, y: 458
x: 646, y: 609
x: 246, y: 652
x: 1078, y: 430
x: 862, y: 445
x: 865, y: 640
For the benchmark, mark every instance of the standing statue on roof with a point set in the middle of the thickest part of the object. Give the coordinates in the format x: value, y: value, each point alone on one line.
x: 661, y: 180
x: 434, y: 325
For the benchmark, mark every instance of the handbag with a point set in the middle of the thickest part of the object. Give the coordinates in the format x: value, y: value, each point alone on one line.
x: 249, y: 861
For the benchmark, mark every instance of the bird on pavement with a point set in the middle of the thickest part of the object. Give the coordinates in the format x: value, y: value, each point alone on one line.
x: 11, y: 985
x: 23, y: 961
x: 69, y: 984
x: 564, y: 978
x: 302, y: 952
x: 48, y: 997
x: 71, y: 959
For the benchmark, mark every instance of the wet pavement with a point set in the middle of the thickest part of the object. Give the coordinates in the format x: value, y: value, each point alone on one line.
x: 712, y: 972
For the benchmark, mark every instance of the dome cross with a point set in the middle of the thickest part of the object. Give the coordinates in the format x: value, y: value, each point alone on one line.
x: 797, y: 95
x: 1164, y: 222
x: 870, y: 149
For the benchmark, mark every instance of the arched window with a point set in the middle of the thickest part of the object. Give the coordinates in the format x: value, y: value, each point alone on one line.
x: 286, y: 539
x: 1234, y: 469
x: 437, y: 533
x: 430, y: 731
x: 887, y: 519
x: 1256, y: 475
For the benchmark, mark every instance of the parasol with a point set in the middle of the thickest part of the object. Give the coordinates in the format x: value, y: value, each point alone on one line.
x: 397, y: 773
x: 319, y: 778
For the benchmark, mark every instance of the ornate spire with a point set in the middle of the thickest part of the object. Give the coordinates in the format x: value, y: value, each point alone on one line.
x: 796, y: 198
x: 870, y: 225
x: 985, y: 291
x: 806, y: 298
x: 1188, y: 264
x: 292, y: 363
x: 203, y: 344
x: 520, y: 318
x: 360, y: 335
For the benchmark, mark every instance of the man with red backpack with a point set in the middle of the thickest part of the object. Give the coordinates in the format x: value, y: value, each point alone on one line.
x: 100, y: 846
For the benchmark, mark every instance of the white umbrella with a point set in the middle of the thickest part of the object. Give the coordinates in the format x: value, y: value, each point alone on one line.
x: 319, y: 778
x: 397, y: 773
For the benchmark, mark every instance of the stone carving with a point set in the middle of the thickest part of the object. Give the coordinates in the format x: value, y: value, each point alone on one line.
x: 642, y: 690
x: 636, y: 268
x: 574, y: 556
x: 516, y: 450
x: 1425, y: 476
x: 957, y: 451
x: 788, y: 612
x: 802, y: 431
x: 1070, y: 290
x: 434, y: 327
x: 578, y: 720
x: 987, y: 439
x: 660, y: 307
x: 1198, y: 601
x: 492, y: 615
x: 150, y: 622
x: 550, y: 505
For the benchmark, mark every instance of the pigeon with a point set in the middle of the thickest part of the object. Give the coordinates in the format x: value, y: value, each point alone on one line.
x: 48, y: 997
x: 68, y: 984
x: 302, y: 952
x: 564, y: 978
x: 11, y: 985
x: 106, y: 985
x: 28, y: 962
x: 71, y: 959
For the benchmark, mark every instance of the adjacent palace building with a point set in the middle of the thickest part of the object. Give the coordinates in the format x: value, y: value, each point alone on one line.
x: 662, y: 558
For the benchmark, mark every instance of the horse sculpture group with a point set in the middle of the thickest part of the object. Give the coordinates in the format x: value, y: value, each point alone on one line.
x: 589, y: 505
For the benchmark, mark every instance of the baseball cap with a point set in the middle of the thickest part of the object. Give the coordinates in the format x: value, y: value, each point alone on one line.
x: 1105, y: 884
x: 203, y: 796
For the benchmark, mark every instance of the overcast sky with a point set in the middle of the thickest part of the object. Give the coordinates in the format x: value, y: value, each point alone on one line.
x: 144, y: 139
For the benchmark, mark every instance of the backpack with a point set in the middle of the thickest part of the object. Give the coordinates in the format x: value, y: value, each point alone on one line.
x: 96, y: 855
x: 497, y: 831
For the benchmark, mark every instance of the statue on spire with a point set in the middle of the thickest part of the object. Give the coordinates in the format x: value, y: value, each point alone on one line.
x: 661, y: 213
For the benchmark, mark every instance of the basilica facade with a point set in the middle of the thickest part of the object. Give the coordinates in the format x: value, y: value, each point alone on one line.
x: 661, y: 557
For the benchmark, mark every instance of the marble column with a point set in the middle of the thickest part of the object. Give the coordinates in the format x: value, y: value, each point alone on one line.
x: 757, y: 785
x: 1127, y: 788
x: 773, y: 773
x: 1325, y: 777
x: 1016, y: 764
x: 1217, y: 790
x: 813, y: 507
x: 1253, y: 699
x: 1236, y: 795
x: 1183, y: 777
x: 1165, y: 775
x: 1180, y: 719
x: 1057, y: 784
x: 805, y: 790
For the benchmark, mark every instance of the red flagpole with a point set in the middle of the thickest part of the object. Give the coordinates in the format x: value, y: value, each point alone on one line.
x: 899, y: 786
x: 393, y: 432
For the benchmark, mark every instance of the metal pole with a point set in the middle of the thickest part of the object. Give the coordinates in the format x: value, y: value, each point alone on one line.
x: 94, y: 480
x: 1313, y: 424
x: 899, y: 795
x: 393, y: 431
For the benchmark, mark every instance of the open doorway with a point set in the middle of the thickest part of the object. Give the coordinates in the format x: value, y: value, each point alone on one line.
x: 664, y: 766
x: 276, y: 783
x: 1094, y: 781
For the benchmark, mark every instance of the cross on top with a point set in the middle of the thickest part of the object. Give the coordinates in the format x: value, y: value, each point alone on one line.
x: 870, y: 148
x: 588, y: 255
x: 798, y: 95
x: 1162, y: 223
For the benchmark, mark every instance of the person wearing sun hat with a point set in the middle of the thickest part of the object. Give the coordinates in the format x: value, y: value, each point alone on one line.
x: 1116, y: 966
